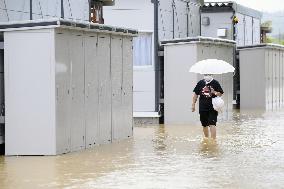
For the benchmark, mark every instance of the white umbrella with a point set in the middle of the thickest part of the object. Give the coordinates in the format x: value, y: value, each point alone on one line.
x: 212, y: 66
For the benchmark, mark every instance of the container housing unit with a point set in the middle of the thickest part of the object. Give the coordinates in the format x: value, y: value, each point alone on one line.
x: 229, y: 20
x: 155, y: 20
x: 179, y: 56
x: 262, y: 77
x: 68, y: 86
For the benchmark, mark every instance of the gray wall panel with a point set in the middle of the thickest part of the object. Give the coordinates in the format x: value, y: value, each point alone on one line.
x: 267, y: 80
x: 277, y: 78
x: 1, y: 78
x: 29, y: 118
x: 77, y: 92
x: 240, y: 30
x: 282, y: 78
x: 248, y: 30
x: 256, y: 31
x: 274, y: 89
x: 180, y: 21
x: 63, y: 85
x: 271, y: 76
x: 251, y: 97
x: 105, y: 88
x: 217, y: 21
x: 175, y: 17
x: 177, y: 96
x: 92, y: 90
x: 20, y: 10
x: 267, y: 63
x: 116, y: 78
x: 127, y: 86
x: 194, y: 21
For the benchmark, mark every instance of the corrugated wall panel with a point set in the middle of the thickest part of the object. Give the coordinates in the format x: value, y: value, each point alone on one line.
x: 77, y: 92
x: 105, y: 88
x: 116, y: 78
x: 92, y: 89
x: 20, y: 10
x: 63, y: 98
x: 127, y: 87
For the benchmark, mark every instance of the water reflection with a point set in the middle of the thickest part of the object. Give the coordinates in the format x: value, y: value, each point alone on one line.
x: 248, y: 153
x: 209, y: 148
x: 159, y: 141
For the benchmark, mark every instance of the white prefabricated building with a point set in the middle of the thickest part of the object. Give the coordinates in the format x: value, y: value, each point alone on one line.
x: 217, y: 21
x: 179, y: 56
x: 262, y: 77
x: 173, y: 19
x: 68, y: 86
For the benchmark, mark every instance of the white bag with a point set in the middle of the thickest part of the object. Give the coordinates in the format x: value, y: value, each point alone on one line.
x: 218, y: 103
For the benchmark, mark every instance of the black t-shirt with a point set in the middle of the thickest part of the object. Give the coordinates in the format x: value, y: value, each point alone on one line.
x: 205, y: 92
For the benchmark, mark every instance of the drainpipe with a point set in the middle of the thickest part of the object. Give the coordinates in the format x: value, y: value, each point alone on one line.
x: 236, y: 77
x: 62, y: 9
x: 187, y: 19
x: 156, y: 58
x: 31, y: 9
x: 90, y: 10
x: 252, y: 37
x: 173, y: 9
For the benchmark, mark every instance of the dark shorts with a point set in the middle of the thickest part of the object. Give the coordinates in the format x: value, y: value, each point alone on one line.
x: 208, y: 118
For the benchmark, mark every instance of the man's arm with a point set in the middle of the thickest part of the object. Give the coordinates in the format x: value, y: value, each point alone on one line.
x: 218, y: 94
x: 194, y: 100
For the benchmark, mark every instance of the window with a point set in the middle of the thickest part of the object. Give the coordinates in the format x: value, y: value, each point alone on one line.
x: 142, y: 50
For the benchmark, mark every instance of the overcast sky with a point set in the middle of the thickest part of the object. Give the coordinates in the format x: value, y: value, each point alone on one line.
x: 262, y: 5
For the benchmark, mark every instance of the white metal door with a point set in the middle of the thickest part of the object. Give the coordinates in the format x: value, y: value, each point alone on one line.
x: 271, y: 66
x: 266, y: 67
x: 104, y: 88
x: 77, y: 92
x: 62, y: 79
x: 282, y: 78
x: 116, y: 78
x: 92, y: 89
x: 127, y: 86
x: 277, y: 70
x: 275, y: 80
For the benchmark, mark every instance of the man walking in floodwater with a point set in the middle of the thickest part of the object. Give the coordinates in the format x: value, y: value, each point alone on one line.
x: 207, y: 89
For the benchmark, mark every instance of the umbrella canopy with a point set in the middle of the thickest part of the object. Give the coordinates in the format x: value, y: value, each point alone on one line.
x: 212, y: 66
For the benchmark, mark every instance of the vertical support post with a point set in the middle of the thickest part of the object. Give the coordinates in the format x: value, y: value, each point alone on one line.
x: 187, y: 19
x: 173, y: 9
x: 252, y: 37
x: 62, y: 9
x: 158, y: 82
x: 31, y: 9
x: 90, y: 10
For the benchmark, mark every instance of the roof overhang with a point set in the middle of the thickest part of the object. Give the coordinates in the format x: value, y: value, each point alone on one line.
x: 230, y: 6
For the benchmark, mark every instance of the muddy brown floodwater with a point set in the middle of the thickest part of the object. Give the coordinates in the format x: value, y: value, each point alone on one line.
x: 249, y: 154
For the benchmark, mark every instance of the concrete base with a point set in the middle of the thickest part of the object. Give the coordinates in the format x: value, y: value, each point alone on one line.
x: 146, y: 118
x: 143, y: 121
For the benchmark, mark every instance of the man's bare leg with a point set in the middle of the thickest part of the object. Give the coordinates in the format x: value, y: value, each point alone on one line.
x: 206, y: 132
x: 213, y: 131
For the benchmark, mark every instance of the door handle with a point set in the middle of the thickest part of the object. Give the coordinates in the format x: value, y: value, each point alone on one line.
x: 73, y: 91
